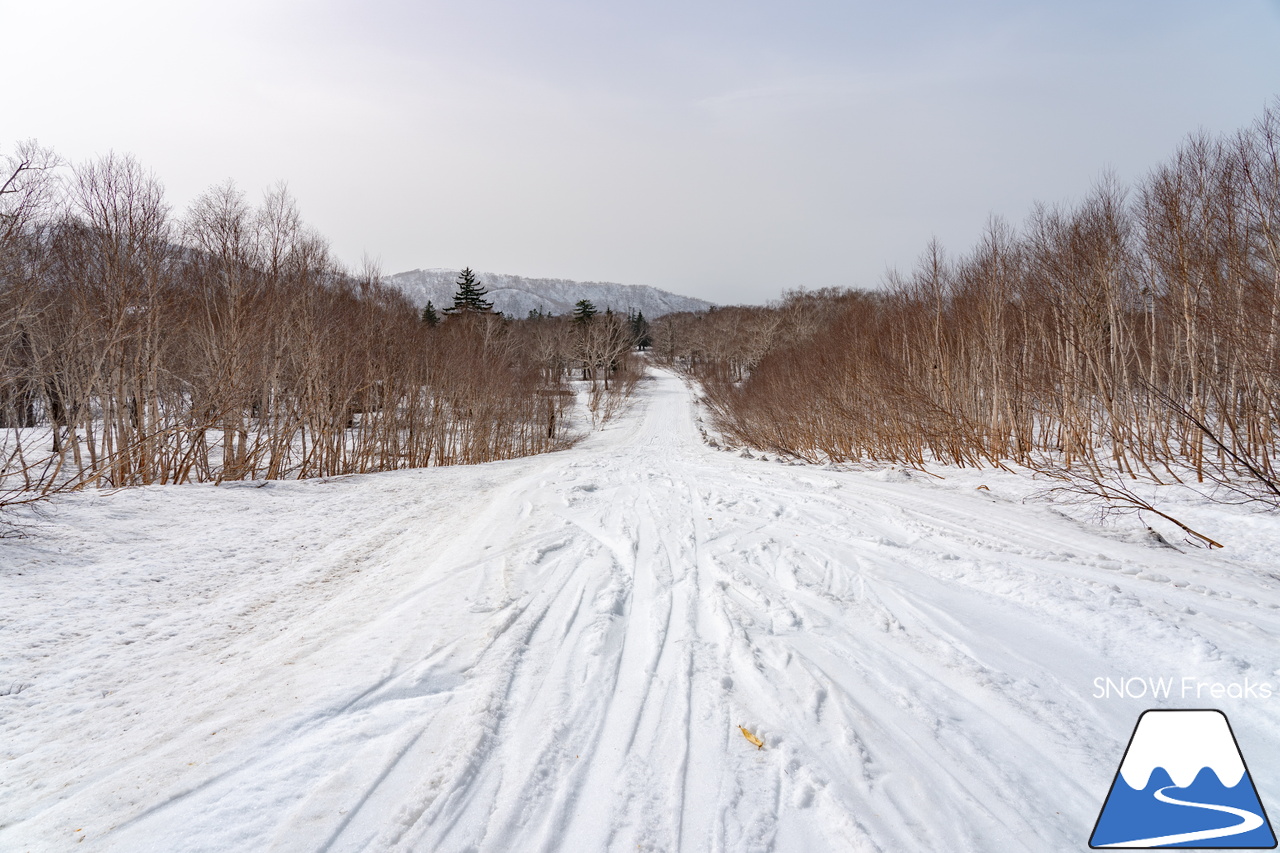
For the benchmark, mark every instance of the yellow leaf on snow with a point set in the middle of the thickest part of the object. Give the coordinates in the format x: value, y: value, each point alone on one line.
x: 759, y: 744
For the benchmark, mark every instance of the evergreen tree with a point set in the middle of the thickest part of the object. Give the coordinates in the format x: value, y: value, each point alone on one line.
x: 470, y: 296
x: 583, y: 311
x: 640, y: 330
x: 429, y: 315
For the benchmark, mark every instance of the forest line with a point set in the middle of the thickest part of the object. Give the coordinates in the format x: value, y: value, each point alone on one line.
x: 140, y: 347
x: 1135, y: 333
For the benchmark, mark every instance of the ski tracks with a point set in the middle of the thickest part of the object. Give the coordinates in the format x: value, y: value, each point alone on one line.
x: 566, y: 668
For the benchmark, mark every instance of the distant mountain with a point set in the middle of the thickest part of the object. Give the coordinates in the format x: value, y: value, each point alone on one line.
x: 517, y: 295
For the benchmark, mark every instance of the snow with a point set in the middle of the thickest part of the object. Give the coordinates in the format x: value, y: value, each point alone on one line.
x: 1183, y: 743
x: 556, y: 653
x: 517, y: 295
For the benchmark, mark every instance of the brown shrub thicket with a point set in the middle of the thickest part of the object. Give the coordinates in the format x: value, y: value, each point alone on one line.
x: 137, y: 347
x: 1136, y: 332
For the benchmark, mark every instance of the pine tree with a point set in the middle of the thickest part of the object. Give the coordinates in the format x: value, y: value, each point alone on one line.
x: 429, y: 315
x: 640, y: 330
x: 583, y: 311
x: 470, y: 296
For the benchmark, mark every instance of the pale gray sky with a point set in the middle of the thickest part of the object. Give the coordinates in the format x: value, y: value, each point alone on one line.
x: 725, y: 150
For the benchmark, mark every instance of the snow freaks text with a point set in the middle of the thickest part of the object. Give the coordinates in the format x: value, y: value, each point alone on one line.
x: 1180, y: 687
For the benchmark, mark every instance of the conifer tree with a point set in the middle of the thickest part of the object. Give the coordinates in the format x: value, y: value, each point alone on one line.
x: 429, y: 315
x: 640, y: 330
x: 470, y: 296
x: 583, y: 311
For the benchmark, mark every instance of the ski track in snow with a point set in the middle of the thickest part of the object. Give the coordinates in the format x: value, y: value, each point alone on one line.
x: 554, y: 653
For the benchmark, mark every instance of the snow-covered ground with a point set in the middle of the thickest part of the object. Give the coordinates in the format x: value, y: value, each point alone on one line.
x: 556, y: 653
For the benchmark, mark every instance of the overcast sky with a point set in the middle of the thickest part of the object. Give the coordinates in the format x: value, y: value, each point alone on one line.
x: 726, y: 150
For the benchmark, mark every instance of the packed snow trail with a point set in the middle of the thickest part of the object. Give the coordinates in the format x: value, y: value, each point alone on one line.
x: 556, y: 653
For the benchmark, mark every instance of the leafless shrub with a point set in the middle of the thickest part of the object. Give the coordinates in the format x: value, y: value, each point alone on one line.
x: 605, y: 347
x: 137, y: 348
x: 1135, y: 332
x: 1113, y: 495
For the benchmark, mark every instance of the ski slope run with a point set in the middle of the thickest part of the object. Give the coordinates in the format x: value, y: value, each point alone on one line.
x: 556, y: 653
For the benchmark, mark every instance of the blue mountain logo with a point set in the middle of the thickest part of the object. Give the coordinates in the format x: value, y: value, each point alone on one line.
x: 1183, y: 783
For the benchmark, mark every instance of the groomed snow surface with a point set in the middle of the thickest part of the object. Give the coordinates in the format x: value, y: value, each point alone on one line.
x: 555, y: 653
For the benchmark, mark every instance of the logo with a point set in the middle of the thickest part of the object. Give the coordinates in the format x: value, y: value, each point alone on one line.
x: 1183, y: 783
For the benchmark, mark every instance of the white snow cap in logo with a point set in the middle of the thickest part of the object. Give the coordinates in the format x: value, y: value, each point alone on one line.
x: 1183, y: 743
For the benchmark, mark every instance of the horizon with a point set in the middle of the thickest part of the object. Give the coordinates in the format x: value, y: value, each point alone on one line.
x: 528, y: 278
x: 723, y: 152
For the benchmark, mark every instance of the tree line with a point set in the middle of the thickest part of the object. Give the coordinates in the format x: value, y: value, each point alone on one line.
x: 1135, y: 332
x: 226, y: 343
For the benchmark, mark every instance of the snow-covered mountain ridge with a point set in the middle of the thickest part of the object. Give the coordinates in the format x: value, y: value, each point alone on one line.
x: 517, y: 295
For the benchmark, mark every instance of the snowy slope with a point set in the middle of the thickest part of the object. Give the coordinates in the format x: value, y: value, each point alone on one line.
x: 517, y: 296
x: 555, y: 653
